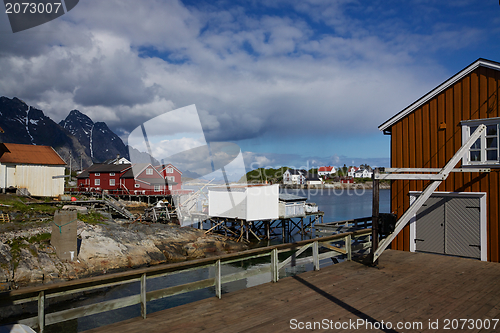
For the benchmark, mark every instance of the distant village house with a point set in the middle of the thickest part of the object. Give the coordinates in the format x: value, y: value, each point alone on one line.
x: 327, y: 171
x: 300, y: 177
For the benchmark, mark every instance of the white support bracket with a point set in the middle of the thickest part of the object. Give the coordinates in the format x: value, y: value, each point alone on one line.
x: 389, y: 170
x: 443, y: 174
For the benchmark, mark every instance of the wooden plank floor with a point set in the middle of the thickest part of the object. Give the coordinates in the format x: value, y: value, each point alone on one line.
x: 406, y: 287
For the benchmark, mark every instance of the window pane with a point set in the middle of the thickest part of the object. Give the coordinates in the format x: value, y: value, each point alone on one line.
x: 492, y: 155
x: 472, y: 129
x: 477, y: 144
x: 491, y: 142
x: 475, y: 156
x: 491, y: 130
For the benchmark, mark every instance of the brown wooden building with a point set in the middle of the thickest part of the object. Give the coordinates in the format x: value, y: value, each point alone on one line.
x: 462, y: 217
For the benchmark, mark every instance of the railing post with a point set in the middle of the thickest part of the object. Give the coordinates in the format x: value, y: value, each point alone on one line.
x: 316, y: 255
x: 375, y: 213
x: 218, y: 284
x: 348, y: 248
x: 274, y: 265
x: 41, y: 311
x: 143, y: 295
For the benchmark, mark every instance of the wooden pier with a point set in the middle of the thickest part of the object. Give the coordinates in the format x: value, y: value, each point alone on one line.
x: 242, y: 230
x: 407, y: 288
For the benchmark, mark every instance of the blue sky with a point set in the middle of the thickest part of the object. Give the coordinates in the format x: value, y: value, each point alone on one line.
x: 297, y: 83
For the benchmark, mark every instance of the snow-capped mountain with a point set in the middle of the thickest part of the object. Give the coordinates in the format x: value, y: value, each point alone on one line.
x: 99, y: 141
x: 27, y: 125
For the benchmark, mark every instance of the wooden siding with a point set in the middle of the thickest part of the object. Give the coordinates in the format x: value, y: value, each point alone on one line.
x: 430, y: 136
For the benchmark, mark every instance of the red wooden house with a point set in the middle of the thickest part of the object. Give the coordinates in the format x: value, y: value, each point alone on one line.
x: 135, y: 179
x: 146, y: 179
x: 102, y: 177
x: 462, y: 217
x: 172, y: 175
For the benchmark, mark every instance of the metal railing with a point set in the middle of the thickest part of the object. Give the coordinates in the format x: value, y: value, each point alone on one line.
x: 344, y: 244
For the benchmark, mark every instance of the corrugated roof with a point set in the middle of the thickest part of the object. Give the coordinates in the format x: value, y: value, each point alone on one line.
x: 30, y: 154
x: 291, y: 197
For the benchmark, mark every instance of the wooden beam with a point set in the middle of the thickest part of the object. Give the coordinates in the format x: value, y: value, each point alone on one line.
x: 409, y: 176
x: 181, y: 289
x: 375, y: 211
x: 436, y: 170
x: 87, y: 310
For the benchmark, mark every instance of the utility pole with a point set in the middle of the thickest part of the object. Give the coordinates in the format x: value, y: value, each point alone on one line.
x: 69, y: 166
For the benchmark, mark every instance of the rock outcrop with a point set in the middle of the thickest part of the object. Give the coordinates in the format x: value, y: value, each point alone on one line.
x: 106, y: 248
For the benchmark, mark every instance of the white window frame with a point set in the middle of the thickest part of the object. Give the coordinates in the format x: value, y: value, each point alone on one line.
x: 466, y: 127
x: 149, y: 171
x: 157, y: 188
x: 97, y: 174
x: 97, y: 182
x: 112, y: 174
x: 170, y: 170
x: 112, y: 182
x: 137, y: 185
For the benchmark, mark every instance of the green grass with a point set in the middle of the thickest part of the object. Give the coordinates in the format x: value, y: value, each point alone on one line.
x: 17, y: 204
x: 17, y: 244
x: 92, y: 218
x: 39, y: 238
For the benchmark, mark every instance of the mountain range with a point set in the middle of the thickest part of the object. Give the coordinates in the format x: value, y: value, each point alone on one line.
x: 77, y: 139
x: 76, y: 136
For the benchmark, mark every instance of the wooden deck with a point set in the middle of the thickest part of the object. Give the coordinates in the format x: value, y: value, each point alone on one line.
x: 406, y: 287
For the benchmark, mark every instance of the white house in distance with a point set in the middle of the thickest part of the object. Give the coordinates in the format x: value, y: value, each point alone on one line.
x: 294, y: 177
x: 313, y: 179
x: 352, y: 171
x: 300, y: 177
x: 326, y: 170
x: 363, y: 173
x: 356, y: 172
x: 39, y: 169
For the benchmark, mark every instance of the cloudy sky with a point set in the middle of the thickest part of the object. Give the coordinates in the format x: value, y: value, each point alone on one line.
x: 292, y: 82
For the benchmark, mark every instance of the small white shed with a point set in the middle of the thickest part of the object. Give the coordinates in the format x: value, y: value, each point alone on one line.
x: 245, y: 202
x: 291, y: 205
x: 39, y: 169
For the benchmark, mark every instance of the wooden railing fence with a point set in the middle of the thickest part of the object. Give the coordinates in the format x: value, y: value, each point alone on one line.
x: 343, y: 244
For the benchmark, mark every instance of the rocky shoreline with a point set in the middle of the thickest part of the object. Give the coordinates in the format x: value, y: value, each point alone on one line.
x: 27, y: 258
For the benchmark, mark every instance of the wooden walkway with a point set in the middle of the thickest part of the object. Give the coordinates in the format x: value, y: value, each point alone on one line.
x: 406, y: 288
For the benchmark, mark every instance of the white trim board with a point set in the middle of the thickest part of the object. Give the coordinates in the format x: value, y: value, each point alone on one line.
x: 482, y: 224
x: 439, y: 89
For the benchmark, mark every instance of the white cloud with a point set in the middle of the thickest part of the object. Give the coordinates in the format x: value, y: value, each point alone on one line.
x: 308, y: 68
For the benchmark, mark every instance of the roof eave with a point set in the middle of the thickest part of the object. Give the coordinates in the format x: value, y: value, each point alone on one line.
x: 443, y: 86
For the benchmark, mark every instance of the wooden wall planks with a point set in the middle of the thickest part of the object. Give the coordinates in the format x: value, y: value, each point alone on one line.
x: 430, y: 136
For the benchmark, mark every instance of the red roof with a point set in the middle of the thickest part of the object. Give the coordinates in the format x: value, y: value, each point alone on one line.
x: 30, y: 154
x: 328, y: 168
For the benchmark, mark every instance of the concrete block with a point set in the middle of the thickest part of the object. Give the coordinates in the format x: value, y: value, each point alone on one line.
x: 63, y: 237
